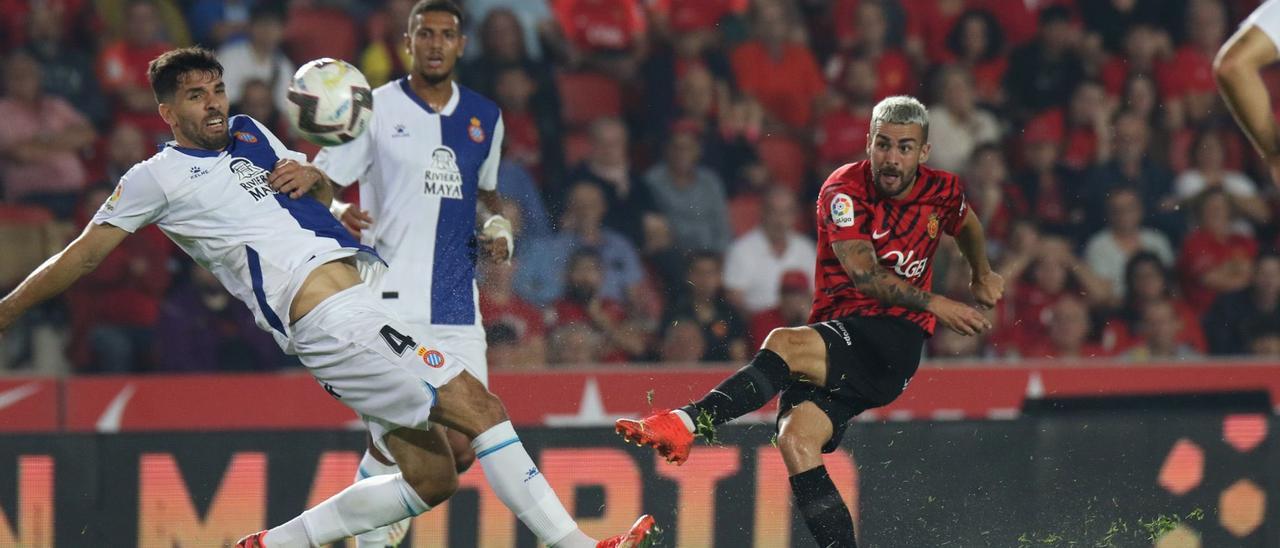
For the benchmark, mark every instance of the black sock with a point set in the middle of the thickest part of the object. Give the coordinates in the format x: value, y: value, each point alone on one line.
x: 823, y: 509
x: 745, y: 391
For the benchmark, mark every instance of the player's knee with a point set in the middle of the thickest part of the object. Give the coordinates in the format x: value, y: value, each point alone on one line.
x: 463, y: 458
x: 783, y: 340
x: 799, y: 449
x: 490, y: 409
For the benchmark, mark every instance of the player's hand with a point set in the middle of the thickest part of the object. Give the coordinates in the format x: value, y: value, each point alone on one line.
x: 352, y: 217
x: 987, y: 289
x: 290, y: 177
x: 496, y: 239
x: 961, y: 318
x: 494, y: 248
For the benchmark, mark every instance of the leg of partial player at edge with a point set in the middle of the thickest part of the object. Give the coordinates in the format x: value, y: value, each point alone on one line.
x: 369, y: 467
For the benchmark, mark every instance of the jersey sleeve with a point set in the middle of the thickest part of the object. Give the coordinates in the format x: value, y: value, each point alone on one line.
x: 844, y: 215
x: 137, y: 201
x: 489, y: 169
x: 281, y: 151
x: 348, y: 162
x: 956, y: 209
x: 1267, y: 19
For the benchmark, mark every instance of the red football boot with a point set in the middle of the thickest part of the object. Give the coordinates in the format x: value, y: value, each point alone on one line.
x: 253, y: 541
x: 664, y: 431
x: 634, y: 537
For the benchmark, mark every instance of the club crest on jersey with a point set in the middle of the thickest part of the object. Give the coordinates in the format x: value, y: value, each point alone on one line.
x: 842, y: 210
x: 933, y: 225
x: 475, y: 132
x: 252, y: 178
x: 246, y: 137
x: 432, y: 358
x: 443, y: 178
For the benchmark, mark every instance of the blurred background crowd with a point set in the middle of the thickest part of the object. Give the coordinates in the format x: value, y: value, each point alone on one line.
x: 661, y: 163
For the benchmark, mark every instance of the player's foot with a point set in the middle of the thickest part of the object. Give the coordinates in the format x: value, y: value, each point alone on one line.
x: 253, y: 541
x: 664, y: 431
x: 633, y: 538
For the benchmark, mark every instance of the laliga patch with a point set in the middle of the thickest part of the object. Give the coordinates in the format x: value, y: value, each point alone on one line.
x: 432, y: 358
x: 475, y: 132
x: 842, y: 210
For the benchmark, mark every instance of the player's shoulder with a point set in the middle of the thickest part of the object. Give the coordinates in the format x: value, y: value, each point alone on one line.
x: 246, y: 129
x: 476, y: 104
x: 848, y: 179
x: 942, y: 182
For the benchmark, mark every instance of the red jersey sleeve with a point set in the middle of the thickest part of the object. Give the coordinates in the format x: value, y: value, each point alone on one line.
x: 844, y: 215
x: 956, y: 207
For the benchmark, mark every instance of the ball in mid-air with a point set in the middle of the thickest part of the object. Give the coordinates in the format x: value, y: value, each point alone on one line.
x: 330, y: 102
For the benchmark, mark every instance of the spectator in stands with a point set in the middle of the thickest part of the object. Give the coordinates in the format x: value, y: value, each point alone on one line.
x: 504, y: 351
x: 167, y: 22
x: 1195, y: 88
x: 114, y: 308
x: 1109, y: 250
x: 537, y: 25
x: 1109, y: 19
x: 976, y: 42
x: 1214, y: 260
x: 928, y: 26
x: 1087, y: 124
x: 683, y: 342
x: 628, y: 202
x: 574, y: 344
x: 517, y: 185
x: 958, y: 121
x: 541, y: 278
x: 319, y: 28
x: 1147, y: 280
x: 1067, y: 333
x: 1208, y: 170
x: 1266, y: 345
x: 1159, y: 330
x: 1239, y: 317
x: 690, y: 195
x: 875, y: 43
x: 946, y: 343
x: 257, y: 100
x: 608, y: 36
x: 996, y: 200
x: 505, y: 51
x: 219, y: 22
x: 500, y: 305
x: 1147, y: 51
x: 40, y: 141
x: 122, y: 70
x: 126, y: 147
x: 703, y: 303
x: 726, y: 128
x: 775, y: 70
x: 1041, y: 73
x: 1043, y: 276
x: 756, y: 261
x: 385, y: 58
x: 1128, y: 163
x: 68, y: 71
x: 842, y: 131
x: 1054, y: 192
x: 258, y: 58
x: 203, y: 328
x: 795, y: 299
x: 584, y: 304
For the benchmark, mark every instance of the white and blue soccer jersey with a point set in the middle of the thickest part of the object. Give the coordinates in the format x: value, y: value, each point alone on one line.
x: 419, y: 173
x: 217, y: 206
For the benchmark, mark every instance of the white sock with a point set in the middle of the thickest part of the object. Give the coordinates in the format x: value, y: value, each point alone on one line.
x: 514, y: 478
x: 688, y: 421
x: 369, y: 503
x: 372, y: 467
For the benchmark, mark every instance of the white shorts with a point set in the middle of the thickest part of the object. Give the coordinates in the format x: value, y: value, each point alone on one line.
x: 1267, y: 19
x: 368, y: 359
x: 464, y: 343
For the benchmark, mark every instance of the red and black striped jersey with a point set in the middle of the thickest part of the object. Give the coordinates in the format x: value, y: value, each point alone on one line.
x: 904, y: 231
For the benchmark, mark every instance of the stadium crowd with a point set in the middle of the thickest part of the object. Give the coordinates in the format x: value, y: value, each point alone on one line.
x: 662, y: 157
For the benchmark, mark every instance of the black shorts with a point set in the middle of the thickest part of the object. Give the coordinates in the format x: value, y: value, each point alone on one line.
x: 869, y: 361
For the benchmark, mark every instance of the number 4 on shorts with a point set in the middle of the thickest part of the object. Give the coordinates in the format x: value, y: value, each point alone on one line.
x: 398, y: 341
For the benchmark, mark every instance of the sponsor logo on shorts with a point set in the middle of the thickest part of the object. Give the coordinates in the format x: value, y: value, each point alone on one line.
x: 329, y: 388
x: 432, y: 358
x: 840, y: 330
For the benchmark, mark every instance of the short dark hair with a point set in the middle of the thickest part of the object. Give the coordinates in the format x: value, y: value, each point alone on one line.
x: 445, y: 6
x: 165, y: 70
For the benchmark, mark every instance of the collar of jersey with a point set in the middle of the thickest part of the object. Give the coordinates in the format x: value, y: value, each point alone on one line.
x: 448, y: 107
x: 197, y: 152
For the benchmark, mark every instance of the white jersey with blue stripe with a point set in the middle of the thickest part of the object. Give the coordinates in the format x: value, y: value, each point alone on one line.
x: 419, y: 173
x: 217, y: 206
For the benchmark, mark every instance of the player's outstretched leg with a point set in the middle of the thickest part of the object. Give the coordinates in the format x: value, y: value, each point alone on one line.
x: 427, y: 478
x: 788, y: 353
x: 802, y: 432
x: 466, y: 406
x: 374, y: 463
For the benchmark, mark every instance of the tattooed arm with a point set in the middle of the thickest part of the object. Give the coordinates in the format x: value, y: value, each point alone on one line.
x: 858, y: 257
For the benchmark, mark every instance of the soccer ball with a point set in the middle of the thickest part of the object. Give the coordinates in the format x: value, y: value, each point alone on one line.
x: 330, y: 102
